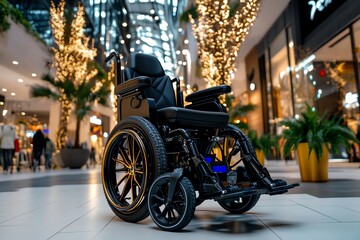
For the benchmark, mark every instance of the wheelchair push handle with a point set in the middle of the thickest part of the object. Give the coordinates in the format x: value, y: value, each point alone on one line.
x: 111, y: 55
x: 117, y: 65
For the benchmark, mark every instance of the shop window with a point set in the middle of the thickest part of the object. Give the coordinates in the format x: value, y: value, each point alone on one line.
x: 281, y: 93
x: 356, y: 33
x: 329, y: 77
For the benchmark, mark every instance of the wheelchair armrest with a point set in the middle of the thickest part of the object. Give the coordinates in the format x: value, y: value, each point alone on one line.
x: 133, y: 85
x: 208, y: 93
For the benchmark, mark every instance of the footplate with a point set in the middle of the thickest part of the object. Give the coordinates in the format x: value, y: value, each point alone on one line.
x: 256, y: 191
x: 242, y: 193
x: 281, y: 189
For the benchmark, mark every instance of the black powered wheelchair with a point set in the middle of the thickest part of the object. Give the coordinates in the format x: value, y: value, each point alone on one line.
x: 164, y: 159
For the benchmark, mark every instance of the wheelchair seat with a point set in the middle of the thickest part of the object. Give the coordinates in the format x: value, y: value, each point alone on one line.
x: 161, y: 90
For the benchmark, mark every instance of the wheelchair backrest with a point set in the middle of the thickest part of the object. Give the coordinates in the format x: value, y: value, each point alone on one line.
x: 139, y: 64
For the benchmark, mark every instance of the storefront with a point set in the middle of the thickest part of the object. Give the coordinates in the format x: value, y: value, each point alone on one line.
x: 311, y: 55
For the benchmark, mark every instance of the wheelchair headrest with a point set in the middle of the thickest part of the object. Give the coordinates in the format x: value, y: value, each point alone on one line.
x: 145, y: 64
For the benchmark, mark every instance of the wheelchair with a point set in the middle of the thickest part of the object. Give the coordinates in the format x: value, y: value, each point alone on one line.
x: 163, y: 159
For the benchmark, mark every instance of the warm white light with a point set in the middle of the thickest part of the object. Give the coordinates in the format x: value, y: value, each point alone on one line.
x: 20, y: 80
x: 124, y: 24
x: 33, y: 75
x: 13, y: 94
x: 4, y: 90
x: 15, y: 62
x: 252, y: 86
x: 106, y: 134
x: 93, y: 138
x: 23, y: 113
x: 4, y: 112
x: 95, y: 120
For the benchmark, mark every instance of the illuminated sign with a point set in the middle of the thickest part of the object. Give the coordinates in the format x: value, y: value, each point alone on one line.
x: 318, y: 5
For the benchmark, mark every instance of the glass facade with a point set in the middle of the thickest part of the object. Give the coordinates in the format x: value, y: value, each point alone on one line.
x: 279, y: 85
x: 149, y: 26
x: 327, y: 78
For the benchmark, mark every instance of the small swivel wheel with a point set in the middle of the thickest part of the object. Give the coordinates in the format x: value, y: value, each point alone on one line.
x: 175, y: 214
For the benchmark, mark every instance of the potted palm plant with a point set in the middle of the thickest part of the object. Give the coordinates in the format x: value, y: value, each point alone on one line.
x: 83, y: 97
x: 263, y: 145
x: 312, y: 136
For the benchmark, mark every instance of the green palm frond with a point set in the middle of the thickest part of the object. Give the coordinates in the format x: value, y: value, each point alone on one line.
x: 42, y: 91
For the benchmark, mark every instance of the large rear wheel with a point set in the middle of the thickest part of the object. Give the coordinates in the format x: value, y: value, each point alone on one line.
x: 134, y: 156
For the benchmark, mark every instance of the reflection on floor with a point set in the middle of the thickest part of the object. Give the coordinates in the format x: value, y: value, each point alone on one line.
x: 69, y: 204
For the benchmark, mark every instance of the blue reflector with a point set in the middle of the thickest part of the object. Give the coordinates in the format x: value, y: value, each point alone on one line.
x: 220, y: 169
x: 208, y: 159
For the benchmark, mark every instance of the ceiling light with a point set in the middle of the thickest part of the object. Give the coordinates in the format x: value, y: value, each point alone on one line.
x: 23, y: 113
x: 20, y: 80
x: 33, y: 74
x: 4, y: 90
x: 1, y: 103
x: 15, y: 62
x: 13, y: 94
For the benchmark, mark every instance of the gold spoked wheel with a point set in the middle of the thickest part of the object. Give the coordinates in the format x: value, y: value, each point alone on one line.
x: 134, y: 156
x: 131, y: 170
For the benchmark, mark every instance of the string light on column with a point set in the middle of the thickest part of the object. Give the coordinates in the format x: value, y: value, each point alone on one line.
x: 219, y: 34
x: 72, y: 55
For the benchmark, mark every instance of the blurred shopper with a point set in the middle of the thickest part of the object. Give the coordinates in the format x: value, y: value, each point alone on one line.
x: 92, y: 156
x: 7, y: 137
x: 38, y: 148
x: 49, y: 150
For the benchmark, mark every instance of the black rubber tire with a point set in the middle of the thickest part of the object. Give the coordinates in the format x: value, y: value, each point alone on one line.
x: 135, y: 150
x: 245, y: 203
x: 180, y: 210
x: 242, y: 206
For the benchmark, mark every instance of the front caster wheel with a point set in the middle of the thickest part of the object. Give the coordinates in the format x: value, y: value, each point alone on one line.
x: 176, y: 214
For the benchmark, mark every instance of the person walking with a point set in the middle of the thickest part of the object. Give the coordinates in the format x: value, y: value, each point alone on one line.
x: 49, y: 150
x: 7, y: 137
x: 38, y: 148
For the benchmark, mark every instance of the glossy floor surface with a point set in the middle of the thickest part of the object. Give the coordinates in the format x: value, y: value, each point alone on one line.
x: 70, y: 204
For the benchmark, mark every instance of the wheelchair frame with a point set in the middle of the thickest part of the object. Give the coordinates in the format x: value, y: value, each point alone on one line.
x: 189, y: 161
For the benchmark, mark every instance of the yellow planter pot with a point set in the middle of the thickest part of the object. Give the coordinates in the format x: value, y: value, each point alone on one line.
x: 260, y: 156
x: 312, y: 169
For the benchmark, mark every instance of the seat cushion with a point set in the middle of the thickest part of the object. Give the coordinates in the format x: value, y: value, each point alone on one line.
x: 182, y: 117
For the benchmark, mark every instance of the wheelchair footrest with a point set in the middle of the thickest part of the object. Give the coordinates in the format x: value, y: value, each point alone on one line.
x: 282, y: 189
x: 242, y: 192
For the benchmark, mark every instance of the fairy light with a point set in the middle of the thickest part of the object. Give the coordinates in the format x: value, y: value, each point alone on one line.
x: 220, y: 36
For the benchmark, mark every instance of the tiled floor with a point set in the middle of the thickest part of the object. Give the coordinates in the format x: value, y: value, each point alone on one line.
x: 69, y: 204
